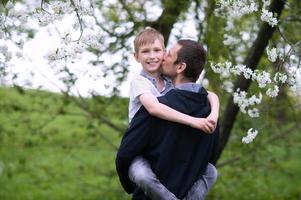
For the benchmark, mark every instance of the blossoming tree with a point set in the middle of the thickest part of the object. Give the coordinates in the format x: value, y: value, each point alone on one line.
x: 250, y: 43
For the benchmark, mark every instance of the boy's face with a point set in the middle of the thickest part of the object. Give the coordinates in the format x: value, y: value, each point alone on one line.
x: 150, y: 56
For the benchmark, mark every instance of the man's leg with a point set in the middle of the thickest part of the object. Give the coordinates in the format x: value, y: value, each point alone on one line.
x: 141, y: 174
x: 202, y: 186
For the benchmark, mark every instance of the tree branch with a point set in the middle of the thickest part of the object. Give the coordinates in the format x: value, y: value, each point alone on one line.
x: 256, y: 51
x: 169, y: 16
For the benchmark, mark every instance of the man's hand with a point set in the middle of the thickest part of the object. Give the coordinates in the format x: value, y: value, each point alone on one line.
x: 204, y: 124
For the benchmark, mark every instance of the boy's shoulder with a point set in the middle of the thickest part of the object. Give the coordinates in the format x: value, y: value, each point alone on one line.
x: 138, y: 78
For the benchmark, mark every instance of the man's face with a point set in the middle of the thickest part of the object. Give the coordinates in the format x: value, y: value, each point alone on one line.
x: 168, y: 67
x: 150, y: 56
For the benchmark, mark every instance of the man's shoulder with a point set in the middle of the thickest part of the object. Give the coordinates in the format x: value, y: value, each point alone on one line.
x: 178, y: 93
x: 164, y: 99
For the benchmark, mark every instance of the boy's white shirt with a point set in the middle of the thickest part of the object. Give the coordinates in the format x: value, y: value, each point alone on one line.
x: 139, y: 85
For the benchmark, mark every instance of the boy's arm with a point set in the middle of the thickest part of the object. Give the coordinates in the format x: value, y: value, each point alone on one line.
x: 155, y: 108
x: 214, y: 103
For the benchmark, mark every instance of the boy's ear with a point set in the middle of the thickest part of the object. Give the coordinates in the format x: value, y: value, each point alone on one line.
x: 181, y: 68
x: 136, y: 56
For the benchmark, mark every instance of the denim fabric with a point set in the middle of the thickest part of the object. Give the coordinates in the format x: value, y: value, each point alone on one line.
x: 141, y: 174
x: 202, y: 186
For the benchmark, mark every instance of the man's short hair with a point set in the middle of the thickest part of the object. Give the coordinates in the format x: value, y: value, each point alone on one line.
x: 194, y: 55
x: 147, y: 36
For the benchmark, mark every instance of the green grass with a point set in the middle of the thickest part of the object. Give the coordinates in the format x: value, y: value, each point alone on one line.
x: 45, y: 155
x: 50, y: 149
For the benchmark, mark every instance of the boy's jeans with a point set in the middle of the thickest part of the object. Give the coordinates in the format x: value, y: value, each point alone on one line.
x: 141, y: 173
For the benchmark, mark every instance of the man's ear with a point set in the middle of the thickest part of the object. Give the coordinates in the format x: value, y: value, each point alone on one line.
x: 181, y: 68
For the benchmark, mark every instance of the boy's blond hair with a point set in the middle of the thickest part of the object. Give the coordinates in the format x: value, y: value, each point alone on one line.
x: 147, y: 36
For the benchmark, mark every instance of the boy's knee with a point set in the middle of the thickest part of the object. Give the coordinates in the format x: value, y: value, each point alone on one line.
x: 140, y: 172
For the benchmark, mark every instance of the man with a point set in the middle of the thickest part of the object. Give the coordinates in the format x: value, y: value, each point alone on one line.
x: 177, y: 154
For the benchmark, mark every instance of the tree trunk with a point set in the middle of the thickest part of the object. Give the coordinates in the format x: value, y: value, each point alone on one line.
x: 264, y: 35
x: 169, y: 16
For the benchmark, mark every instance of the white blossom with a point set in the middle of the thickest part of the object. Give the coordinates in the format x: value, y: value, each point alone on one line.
x: 236, y: 8
x: 253, y: 112
x: 3, y: 65
x: 263, y: 78
x: 19, y: 54
x: 14, y: 13
x: 67, y: 40
x: 3, y: 49
x: 76, y: 25
x: 238, y: 69
x: 255, y: 100
x: 222, y: 68
x: 273, y: 92
x: 228, y: 86
x: 252, y: 133
x: 248, y: 73
x: 267, y: 16
x: 205, y: 82
x: 78, y: 48
x: 230, y: 40
x: 8, y: 56
x: 240, y: 98
x: 57, y: 55
x: 279, y: 77
x: 21, y: 43
x: 2, y: 34
x: 9, y: 5
x: 266, y: 3
x: 230, y: 25
x: 60, y: 7
x: 272, y: 54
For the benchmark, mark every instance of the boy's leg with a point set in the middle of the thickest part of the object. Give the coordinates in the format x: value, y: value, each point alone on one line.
x: 141, y: 174
x: 202, y: 186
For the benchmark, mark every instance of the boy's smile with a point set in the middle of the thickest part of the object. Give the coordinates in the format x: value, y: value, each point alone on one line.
x: 150, y: 56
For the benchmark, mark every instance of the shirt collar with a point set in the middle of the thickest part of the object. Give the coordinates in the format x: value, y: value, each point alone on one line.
x: 150, y: 78
x: 167, y: 82
x: 190, y: 86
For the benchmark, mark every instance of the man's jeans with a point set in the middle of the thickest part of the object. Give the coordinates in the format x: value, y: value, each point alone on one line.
x: 141, y: 174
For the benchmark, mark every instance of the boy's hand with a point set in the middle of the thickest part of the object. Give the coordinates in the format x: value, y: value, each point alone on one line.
x: 212, y: 119
x: 203, y: 124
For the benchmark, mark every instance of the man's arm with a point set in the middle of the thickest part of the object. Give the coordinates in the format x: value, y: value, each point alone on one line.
x: 155, y: 108
x: 133, y: 142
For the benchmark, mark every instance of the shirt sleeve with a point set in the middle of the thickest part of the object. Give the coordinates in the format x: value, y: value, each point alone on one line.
x: 140, y: 85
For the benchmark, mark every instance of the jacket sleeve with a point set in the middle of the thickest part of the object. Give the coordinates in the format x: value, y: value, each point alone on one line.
x: 132, y: 144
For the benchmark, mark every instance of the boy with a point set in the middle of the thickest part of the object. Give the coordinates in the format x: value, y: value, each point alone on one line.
x: 145, y: 88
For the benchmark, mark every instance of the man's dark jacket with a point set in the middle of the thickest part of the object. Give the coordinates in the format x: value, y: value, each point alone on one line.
x: 178, y: 154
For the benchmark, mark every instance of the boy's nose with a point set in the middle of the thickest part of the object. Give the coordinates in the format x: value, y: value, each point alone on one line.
x: 152, y: 54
